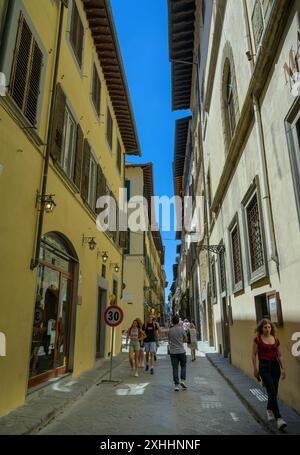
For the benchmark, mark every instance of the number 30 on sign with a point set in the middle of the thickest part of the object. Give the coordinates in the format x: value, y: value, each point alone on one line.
x: 113, y: 315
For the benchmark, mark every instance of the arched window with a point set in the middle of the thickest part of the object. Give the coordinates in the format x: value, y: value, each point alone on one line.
x: 230, y: 106
x: 229, y: 96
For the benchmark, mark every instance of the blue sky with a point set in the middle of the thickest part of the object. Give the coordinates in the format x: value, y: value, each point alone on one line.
x: 142, y: 28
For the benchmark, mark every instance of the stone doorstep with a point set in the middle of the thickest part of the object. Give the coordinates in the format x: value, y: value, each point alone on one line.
x: 37, y: 412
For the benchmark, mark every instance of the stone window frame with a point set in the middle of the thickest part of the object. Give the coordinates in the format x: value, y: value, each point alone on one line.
x: 236, y: 286
x: 261, y: 272
x: 293, y: 141
x: 228, y: 67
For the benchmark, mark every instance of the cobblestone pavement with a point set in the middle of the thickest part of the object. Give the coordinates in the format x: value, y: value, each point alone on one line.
x: 148, y: 404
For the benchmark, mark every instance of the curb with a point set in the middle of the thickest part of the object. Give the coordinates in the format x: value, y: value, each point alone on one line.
x: 244, y: 400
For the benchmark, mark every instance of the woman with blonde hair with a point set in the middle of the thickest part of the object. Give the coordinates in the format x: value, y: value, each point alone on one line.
x: 134, y: 334
x: 267, y: 348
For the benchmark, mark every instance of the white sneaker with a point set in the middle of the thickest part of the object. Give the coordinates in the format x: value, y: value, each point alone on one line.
x: 176, y: 388
x: 281, y: 424
x: 270, y: 415
x: 136, y: 374
x: 183, y: 385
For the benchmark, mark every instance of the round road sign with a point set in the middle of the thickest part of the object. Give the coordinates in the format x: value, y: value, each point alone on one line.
x: 113, y: 315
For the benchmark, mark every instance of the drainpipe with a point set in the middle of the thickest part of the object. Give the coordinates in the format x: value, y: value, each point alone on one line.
x: 34, y: 262
x: 265, y: 188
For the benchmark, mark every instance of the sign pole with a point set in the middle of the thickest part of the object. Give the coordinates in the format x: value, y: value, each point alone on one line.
x: 113, y: 316
x: 111, y: 352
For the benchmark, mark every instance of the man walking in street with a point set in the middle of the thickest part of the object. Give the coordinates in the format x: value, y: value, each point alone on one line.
x: 151, y: 330
x: 177, y: 337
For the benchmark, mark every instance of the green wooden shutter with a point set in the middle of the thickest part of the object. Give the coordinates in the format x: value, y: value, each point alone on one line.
x: 58, y: 118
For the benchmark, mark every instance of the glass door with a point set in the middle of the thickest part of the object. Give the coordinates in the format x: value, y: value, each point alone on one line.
x: 63, y: 325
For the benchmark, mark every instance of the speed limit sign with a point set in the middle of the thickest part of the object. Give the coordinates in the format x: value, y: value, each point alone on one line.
x: 113, y: 315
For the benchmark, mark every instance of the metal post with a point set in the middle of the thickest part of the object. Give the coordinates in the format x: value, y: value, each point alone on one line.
x: 111, y: 352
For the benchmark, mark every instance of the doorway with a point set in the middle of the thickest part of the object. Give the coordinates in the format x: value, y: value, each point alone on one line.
x: 100, y: 332
x: 225, y: 328
x: 51, y: 330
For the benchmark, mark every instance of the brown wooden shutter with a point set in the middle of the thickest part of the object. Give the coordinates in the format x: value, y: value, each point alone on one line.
x: 101, y: 184
x: 85, y: 171
x: 19, y: 76
x: 77, y: 34
x: 123, y: 239
x: 58, y: 117
x: 113, y: 232
x: 78, y: 158
x: 34, y: 84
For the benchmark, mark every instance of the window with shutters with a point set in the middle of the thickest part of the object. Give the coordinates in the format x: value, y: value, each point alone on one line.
x: 109, y: 128
x: 96, y: 90
x: 76, y: 34
x: 236, y: 257
x: 67, y: 158
x: 26, y: 72
x: 254, y: 236
x: 92, y: 183
x: 119, y: 156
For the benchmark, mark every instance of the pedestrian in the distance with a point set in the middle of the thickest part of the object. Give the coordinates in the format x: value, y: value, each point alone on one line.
x: 192, y: 340
x: 134, y: 334
x: 177, y: 337
x: 267, y: 347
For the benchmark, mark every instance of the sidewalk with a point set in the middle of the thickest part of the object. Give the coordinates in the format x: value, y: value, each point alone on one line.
x: 50, y: 399
x: 253, y: 395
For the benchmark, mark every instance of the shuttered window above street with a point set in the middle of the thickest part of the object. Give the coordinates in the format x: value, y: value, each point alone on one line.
x: 26, y: 72
x: 109, y: 128
x: 76, y: 34
x: 92, y: 183
x: 119, y: 156
x: 67, y: 159
x: 96, y: 90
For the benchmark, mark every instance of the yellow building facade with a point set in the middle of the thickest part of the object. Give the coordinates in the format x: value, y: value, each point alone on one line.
x: 66, y: 124
x: 144, y: 275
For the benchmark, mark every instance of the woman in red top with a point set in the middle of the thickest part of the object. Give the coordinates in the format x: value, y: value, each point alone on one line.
x: 267, y: 348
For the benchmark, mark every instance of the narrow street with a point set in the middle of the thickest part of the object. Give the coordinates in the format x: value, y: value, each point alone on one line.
x: 148, y: 405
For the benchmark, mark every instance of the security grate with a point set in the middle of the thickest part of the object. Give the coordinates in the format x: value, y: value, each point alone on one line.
x: 236, y: 255
x: 254, y: 232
